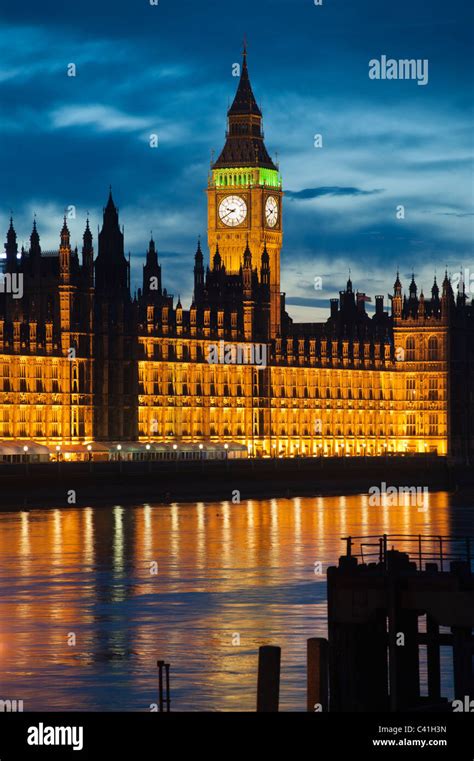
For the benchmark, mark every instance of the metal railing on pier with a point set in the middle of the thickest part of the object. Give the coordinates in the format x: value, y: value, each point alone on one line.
x: 422, y: 549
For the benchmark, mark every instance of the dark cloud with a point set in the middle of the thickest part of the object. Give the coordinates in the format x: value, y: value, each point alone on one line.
x: 453, y: 214
x: 299, y: 301
x: 143, y: 69
x: 329, y: 191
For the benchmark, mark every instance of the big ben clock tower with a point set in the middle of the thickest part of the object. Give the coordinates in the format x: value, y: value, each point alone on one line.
x: 245, y: 195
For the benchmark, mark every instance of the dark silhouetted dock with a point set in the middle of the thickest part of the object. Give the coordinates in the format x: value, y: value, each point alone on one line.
x: 377, y: 594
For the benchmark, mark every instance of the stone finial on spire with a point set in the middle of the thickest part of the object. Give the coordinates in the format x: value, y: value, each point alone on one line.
x: 35, y: 238
x: 11, y: 246
x: 247, y: 255
x: 65, y: 235
x: 217, y: 261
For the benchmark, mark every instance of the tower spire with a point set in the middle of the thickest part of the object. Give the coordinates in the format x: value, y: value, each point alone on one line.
x: 244, y: 144
x: 111, y: 269
x: 244, y: 101
x: 11, y: 247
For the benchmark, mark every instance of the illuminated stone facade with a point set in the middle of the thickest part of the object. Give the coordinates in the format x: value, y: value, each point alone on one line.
x: 81, y: 360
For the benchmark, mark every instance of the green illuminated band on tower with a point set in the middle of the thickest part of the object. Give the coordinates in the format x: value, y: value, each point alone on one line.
x: 245, y: 176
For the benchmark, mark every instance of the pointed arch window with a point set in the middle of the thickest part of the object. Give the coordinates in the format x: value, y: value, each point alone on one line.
x: 433, y: 349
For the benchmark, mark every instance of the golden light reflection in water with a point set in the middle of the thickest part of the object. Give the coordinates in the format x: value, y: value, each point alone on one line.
x: 224, y: 569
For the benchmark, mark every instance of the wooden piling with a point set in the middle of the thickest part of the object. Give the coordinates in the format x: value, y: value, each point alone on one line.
x: 168, y: 701
x: 317, y: 674
x: 268, y: 684
x: 462, y: 661
x: 433, y: 658
x: 160, y: 665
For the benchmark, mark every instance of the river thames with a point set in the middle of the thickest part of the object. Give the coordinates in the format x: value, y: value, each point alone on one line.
x: 92, y: 597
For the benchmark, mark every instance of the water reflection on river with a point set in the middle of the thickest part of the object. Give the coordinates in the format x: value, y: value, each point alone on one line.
x: 224, y: 572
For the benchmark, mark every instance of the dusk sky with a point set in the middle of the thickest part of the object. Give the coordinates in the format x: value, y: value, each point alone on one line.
x: 167, y: 69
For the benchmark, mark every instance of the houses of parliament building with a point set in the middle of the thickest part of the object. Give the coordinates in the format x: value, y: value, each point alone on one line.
x: 81, y: 360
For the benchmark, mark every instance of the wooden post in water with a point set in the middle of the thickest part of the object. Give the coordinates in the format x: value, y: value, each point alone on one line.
x: 433, y: 658
x: 317, y: 674
x: 462, y: 661
x: 268, y: 684
x: 160, y: 665
x: 163, y: 673
x: 167, y: 669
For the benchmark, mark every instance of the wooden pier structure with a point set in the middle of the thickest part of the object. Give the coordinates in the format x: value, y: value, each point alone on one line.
x: 376, y: 596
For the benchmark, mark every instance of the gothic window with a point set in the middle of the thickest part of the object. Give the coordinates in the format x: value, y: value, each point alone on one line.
x: 74, y: 379
x: 39, y: 377
x: 433, y: 425
x: 433, y: 389
x: 411, y: 424
x: 433, y: 351
x: 23, y: 377
x: 411, y: 389
x: 410, y: 349
x: 6, y: 377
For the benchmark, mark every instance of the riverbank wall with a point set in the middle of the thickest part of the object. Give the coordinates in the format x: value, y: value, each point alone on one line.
x: 63, y: 484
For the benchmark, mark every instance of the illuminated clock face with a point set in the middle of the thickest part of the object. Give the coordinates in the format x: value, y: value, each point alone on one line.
x: 232, y: 211
x: 271, y: 211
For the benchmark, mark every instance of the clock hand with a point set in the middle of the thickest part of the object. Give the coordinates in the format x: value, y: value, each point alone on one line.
x: 229, y: 212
